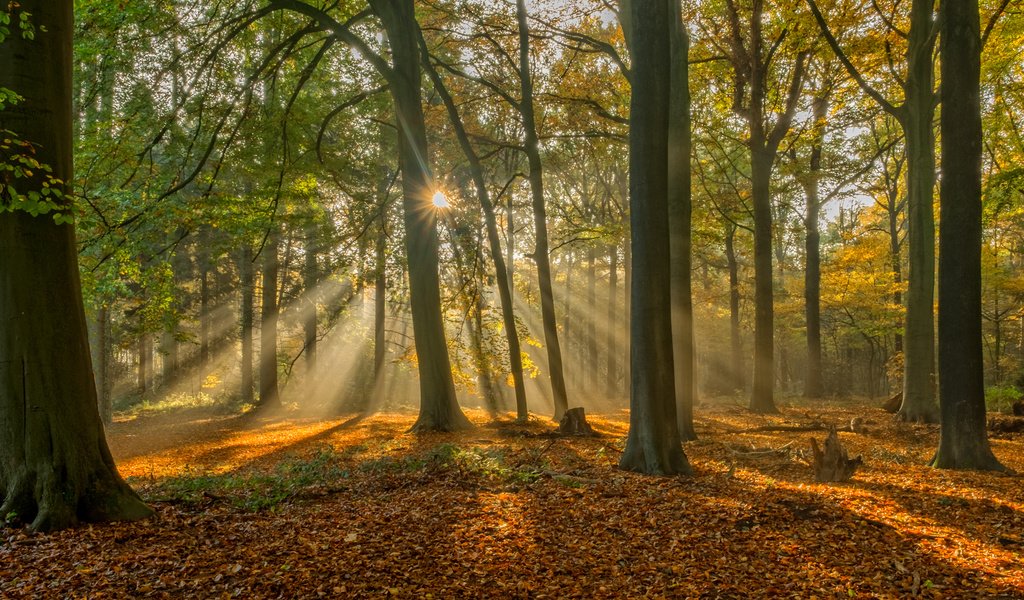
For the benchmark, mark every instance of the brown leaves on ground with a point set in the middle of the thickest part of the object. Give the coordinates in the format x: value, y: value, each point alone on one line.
x: 350, y: 507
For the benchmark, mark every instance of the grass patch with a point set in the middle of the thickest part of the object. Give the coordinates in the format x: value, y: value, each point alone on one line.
x: 253, y: 491
x: 490, y: 464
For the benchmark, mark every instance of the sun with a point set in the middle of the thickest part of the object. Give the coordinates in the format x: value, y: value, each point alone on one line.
x: 440, y: 200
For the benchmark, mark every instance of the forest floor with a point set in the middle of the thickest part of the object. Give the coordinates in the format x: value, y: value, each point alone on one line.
x: 254, y: 507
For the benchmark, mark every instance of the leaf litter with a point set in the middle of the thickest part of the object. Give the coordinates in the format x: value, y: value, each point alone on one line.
x: 254, y: 507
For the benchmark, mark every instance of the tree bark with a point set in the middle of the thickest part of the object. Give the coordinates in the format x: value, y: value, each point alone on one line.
x: 55, y: 467
x: 653, y: 444
x: 439, y: 408
x: 762, y: 400
x: 680, y: 211
x: 380, y: 290
x: 737, y: 377
x: 269, y: 393
x: 204, y: 298
x: 311, y: 278
x: 813, y: 387
x: 592, y: 362
x: 541, y: 251
x: 963, y: 439
x: 612, y: 380
x: 245, y: 270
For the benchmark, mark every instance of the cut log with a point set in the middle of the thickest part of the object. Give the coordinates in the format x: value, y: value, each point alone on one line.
x: 892, y: 405
x: 574, y: 422
x: 832, y: 463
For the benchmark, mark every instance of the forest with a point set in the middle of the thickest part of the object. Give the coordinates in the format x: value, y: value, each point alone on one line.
x: 511, y: 298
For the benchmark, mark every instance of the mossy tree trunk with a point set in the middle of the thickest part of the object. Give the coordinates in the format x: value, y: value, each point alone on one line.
x: 55, y: 467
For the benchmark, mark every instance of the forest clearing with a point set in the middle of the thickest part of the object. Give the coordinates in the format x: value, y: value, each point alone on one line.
x: 248, y: 506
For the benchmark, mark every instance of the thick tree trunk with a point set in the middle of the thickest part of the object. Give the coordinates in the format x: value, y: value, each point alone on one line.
x: 269, y: 393
x: 245, y: 270
x: 917, y: 116
x: 502, y: 270
x: 653, y: 444
x: 963, y: 440
x: 762, y: 400
x: 55, y: 467
x: 540, y: 219
x: 680, y: 210
x: 439, y: 408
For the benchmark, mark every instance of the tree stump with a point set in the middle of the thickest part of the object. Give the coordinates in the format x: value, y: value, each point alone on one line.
x: 833, y: 464
x: 574, y: 422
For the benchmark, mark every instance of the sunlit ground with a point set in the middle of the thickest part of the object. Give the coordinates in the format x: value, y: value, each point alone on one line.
x: 529, y: 516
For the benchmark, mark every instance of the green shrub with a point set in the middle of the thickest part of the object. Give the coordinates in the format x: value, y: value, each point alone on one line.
x: 1000, y: 398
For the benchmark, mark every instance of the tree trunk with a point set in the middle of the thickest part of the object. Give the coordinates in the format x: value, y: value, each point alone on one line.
x: 917, y: 116
x: 145, y: 363
x: 439, y: 408
x: 311, y: 278
x: 245, y: 270
x: 204, y: 299
x: 812, y: 247
x: 963, y: 440
x: 269, y: 393
x: 897, y: 266
x: 612, y: 381
x: 653, y: 444
x: 540, y: 219
x: 380, y: 290
x: 762, y: 400
x: 55, y: 467
x: 102, y: 366
x: 737, y: 377
x: 680, y: 211
x: 592, y: 363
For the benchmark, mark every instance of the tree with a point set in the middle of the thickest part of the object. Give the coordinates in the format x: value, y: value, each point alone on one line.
x: 915, y: 115
x: 55, y: 467
x: 963, y: 441
x: 541, y: 251
x: 753, y: 65
x: 680, y: 209
x: 439, y: 408
x: 653, y: 445
x: 501, y: 274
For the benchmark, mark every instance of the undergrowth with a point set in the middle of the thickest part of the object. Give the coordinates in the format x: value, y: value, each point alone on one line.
x: 328, y: 469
